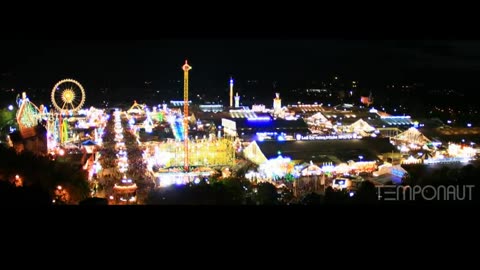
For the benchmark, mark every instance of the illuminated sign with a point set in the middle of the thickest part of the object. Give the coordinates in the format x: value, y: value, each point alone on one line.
x: 328, y: 137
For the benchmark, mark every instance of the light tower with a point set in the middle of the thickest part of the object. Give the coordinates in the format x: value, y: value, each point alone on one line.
x: 231, y: 92
x: 186, y: 68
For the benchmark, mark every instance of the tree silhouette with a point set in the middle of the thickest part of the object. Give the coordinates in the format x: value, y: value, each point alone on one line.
x: 335, y: 196
x: 23, y: 196
x: 366, y: 193
x: 94, y: 201
x: 286, y: 196
x: 267, y: 194
x: 312, y: 199
x: 41, y: 173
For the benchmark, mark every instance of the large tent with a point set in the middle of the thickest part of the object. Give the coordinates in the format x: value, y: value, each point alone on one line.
x: 412, y: 136
x: 361, y: 127
x: 254, y: 153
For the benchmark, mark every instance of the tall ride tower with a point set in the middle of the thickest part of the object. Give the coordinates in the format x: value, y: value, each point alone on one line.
x: 186, y: 68
x: 231, y: 92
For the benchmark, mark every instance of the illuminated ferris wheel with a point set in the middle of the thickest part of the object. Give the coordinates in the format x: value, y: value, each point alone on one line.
x: 68, y: 95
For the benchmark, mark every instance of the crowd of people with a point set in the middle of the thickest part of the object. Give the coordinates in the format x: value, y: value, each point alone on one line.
x: 137, y: 169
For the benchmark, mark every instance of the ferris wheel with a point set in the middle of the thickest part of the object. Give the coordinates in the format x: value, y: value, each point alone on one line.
x: 68, y: 95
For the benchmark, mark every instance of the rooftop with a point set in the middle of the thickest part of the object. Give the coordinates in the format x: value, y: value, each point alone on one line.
x: 366, y: 149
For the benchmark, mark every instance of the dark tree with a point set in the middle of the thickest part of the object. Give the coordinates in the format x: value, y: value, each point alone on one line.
x: 267, y: 194
x: 39, y: 172
x: 312, y: 199
x: 335, y: 196
x: 94, y: 201
x: 366, y: 193
x: 22, y: 196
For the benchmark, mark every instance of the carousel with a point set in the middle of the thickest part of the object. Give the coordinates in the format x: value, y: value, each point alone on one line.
x: 125, y: 192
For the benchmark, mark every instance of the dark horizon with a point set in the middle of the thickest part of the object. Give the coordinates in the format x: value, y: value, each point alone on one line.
x: 39, y: 64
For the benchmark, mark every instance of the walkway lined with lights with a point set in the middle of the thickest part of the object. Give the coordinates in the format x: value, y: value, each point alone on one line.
x: 126, y: 186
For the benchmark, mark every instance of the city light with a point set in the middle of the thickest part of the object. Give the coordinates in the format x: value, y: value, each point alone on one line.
x: 331, y: 137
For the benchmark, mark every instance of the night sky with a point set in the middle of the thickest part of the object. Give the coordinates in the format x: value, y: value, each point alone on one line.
x: 130, y: 63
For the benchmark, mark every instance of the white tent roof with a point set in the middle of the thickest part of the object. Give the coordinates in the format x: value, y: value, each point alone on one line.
x: 412, y: 135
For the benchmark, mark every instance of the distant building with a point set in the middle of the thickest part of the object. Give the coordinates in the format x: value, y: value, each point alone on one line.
x: 237, y: 101
x: 258, y: 108
x: 319, y: 152
x: 367, y: 100
x: 263, y: 123
x: 36, y: 142
x: 178, y: 103
x: 399, y: 121
x: 277, y: 103
x: 211, y: 107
